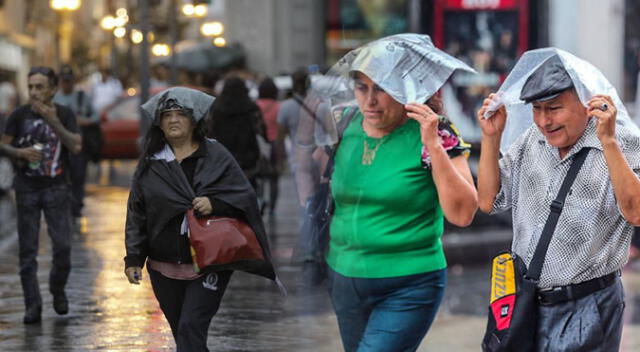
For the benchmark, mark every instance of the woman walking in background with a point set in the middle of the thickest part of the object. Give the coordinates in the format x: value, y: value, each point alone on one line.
x: 270, y: 107
x: 234, y: 122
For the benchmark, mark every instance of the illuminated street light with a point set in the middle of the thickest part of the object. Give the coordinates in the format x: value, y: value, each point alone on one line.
x: 188, y: 10
x: 219, y: 42
x: 136, y: 36
x: 200, y: 10
x: 212, y: 28
x: 131, y: 92
x: 120, y: 21
x: 121, y: 12
x: 120, y: 32
x: 61, y: 5
x: 108, y: 23
x: 161, y: 49
x: 66, y: 26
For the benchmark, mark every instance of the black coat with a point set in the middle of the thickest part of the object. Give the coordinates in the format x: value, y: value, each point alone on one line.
x: 235, y: 127
x: 163, y: 192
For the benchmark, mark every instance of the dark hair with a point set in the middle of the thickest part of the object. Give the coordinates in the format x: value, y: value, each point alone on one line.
x: 154, y: 141
x: 300, y: 81
x: 233, y: 102
x: 267, y: 89
x: 234, y: 87
x: 45, y: 71
x: 435, y: 103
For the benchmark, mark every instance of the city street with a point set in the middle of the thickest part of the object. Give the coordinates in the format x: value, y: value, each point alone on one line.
x: 109, y: 314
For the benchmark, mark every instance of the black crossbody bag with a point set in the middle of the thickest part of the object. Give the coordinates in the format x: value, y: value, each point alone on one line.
x: 513, y: 308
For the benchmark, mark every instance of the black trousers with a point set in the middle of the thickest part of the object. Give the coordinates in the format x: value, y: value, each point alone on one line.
x: 78, y: 170
x: 189, y: 306
x: 53, y: 202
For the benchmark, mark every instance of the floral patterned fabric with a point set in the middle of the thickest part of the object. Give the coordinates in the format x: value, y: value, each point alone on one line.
x: 450, y: 140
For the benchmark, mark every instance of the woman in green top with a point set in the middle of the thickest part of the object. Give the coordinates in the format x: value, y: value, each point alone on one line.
x: 400, y: 168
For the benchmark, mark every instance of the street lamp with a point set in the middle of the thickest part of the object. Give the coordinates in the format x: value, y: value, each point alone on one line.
x: 108, y: 23
x: 219, y: 42
x: 200, y: 10
x: 161, y: 49
x: 122, y: 12
x: 191, y: 10
x: 66, y: 26
x: 212, y: 29
x: 120, y: 32
x: 116, y: 24
x: 62, y: 5
x: 136, y: 36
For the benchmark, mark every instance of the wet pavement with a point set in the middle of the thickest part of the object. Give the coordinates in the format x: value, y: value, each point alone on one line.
x: 109, y: 314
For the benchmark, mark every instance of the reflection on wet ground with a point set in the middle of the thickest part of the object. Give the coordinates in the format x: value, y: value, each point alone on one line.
x: 107, y: 313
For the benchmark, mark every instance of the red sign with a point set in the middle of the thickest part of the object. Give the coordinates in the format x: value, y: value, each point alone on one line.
x: 481, y: 4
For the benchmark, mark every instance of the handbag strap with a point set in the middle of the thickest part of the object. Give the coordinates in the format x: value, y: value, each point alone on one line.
x: 535, y: 267
x: 347, y: 115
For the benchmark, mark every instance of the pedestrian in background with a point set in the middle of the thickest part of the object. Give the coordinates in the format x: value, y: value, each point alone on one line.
x: 8, y: 99
x: 155, y: 231
x: 570, y: 106
x: 288, y: 119
x: 39, y: 136
x: 105, y: 91
x: 387, y: 266
x: 289, y: 116
x: 80, y: 103
x: 269, y: 108
x: 234, y: 122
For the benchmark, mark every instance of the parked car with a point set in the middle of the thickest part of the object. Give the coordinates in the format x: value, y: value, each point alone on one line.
x: 120, y: 125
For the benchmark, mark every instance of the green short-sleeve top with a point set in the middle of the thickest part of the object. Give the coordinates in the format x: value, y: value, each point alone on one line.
x: 387, y: 220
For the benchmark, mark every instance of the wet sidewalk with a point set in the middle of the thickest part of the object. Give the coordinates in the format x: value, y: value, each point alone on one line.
x: 109, y: 314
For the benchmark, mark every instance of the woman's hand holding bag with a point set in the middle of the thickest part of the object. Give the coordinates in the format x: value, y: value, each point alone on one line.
x: 202, y: 205
x: 134, y: 274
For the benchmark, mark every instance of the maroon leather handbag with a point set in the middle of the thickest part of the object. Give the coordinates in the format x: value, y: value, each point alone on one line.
x: 219, y: 242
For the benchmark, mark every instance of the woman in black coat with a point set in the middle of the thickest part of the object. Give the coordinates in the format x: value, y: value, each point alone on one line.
x: 180, y: 169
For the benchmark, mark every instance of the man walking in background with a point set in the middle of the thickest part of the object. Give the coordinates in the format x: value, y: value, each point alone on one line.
x: 38, y: 136
x: 80, y: 103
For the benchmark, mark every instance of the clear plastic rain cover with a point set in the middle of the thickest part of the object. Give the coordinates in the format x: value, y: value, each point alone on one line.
x: 587, y: 80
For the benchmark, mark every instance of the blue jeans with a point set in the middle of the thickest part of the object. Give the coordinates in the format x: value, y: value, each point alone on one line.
x: 54, y: 203
x: 387, y: 314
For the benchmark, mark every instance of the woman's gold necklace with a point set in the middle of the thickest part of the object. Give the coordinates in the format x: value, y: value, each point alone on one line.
x: 369, y: 152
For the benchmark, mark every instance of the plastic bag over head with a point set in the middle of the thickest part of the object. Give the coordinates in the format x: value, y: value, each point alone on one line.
x: 587, y: 81
x: 194, y: 101
x: 406, y: 66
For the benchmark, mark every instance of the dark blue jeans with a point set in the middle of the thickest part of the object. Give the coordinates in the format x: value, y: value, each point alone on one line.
x: 388, y: 314
x: 54, y: 203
